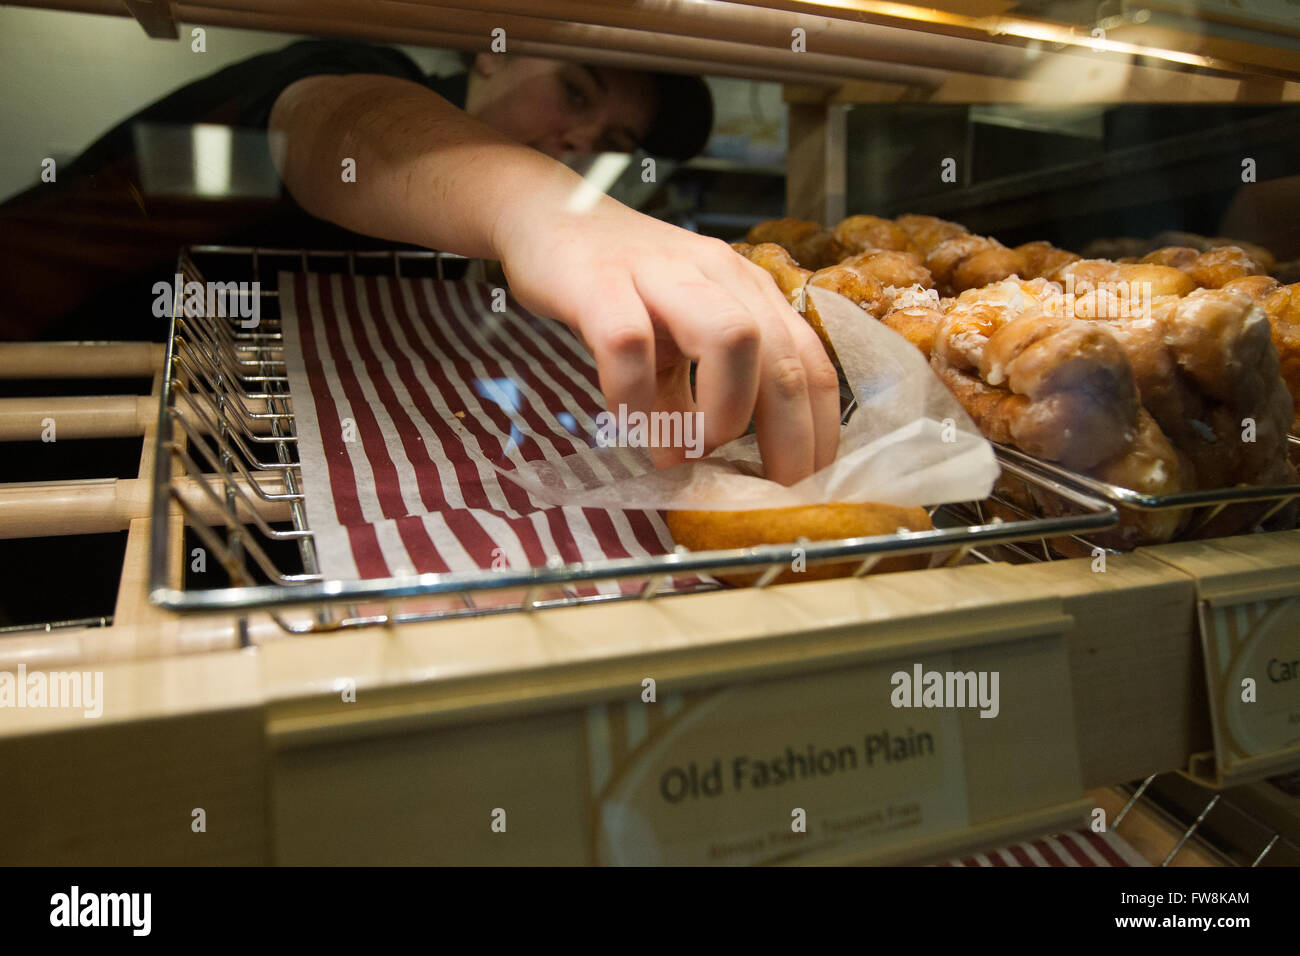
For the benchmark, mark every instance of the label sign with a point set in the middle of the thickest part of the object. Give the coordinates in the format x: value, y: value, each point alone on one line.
x: 1252, y: 658
x: 769, y: 772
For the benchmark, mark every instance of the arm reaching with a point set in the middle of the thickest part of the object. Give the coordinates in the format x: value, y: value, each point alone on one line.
x: 646, y: 296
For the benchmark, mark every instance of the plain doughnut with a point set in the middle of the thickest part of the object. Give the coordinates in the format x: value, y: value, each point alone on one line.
x: 723, y: 530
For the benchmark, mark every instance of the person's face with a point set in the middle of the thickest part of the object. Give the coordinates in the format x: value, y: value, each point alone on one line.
x: 559, y: 107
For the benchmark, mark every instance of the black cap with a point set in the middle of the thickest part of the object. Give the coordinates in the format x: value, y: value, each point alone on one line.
x: 684, y: 120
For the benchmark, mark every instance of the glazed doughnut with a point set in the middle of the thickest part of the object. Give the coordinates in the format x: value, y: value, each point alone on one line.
x: 856, y: 285
x: 790, y: 278
x: 1258, y: 288
x: 994, y: 410
x: 1042, y: 259
x: 1089, y: 275
x: 917, y: 324
x: 915, y: 314
x: 722, y: 530
x: 971, y: 262
x: 819, y: 250
x: 1180, y: 257
x: 1283, y: 310
x: 1160, y: 280
x: 1056, y: 387
x: 1145, y: 461
x: 1256, y: 252
x: 851, y: 280
x: 784, y: 232
x: 901, y: 270
x: 812, y: 246
x: 972, y: 317
x: 926, y: 232
x: 1211, y: 269
x: 1166, y: 393
x: 1219, y: 266
x: 1083, y: 402
x: 866, y: 233
x: 1204, y: 244
x: 1143, y: 372
x: 1149, y: 464
x: 1223, y: 342
x: 1141, y: 249
x: 1202, y: 365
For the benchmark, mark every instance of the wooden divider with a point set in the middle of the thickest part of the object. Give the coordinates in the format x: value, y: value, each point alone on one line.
x: 102, y: 505
x: 22, y: 360
x: 77, y: 416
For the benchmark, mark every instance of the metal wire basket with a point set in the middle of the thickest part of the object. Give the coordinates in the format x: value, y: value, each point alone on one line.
x: 227, y: 469
x: 1221, y: 823
x: 1202, y: 507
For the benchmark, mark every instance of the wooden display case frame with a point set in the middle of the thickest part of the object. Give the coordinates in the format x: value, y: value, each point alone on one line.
x: 229, y: 715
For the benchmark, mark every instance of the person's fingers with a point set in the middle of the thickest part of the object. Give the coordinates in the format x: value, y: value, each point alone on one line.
x: 711, y: 325
x: 783, y: 415
x: 617, y: 329
x: 674, y: 395
x: 761, y: 294
x: 824, y: 386
x: 757, y: 357
x: 710, y: 320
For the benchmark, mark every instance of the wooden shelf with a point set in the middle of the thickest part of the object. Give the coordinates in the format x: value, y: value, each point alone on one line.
x: 462, y: 689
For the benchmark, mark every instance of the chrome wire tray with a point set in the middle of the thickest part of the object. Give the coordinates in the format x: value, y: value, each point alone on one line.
x: 226, y: 466
x: 1204, y: 505
x: 1222, y: 823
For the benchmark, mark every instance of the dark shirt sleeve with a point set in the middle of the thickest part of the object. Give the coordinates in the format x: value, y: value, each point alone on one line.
x: 78, y: 252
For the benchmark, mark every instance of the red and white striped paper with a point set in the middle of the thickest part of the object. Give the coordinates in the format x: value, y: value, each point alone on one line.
x: 405, y: 392
x: 1076, y: 848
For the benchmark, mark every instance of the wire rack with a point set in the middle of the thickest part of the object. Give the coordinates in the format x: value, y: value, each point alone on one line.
x: 1201, y: 507
x: 227, y: 467
x: 1223, y: 824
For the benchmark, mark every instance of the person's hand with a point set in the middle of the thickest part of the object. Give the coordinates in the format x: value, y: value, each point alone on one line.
x: 648, y: 298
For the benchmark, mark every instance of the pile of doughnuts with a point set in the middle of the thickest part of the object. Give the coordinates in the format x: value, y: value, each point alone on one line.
x: 1133, y: 250
x: 1170, y: 369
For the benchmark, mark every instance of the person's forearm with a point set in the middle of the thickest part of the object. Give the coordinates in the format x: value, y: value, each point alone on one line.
x: 647, y: 297
x: 426, y: 173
